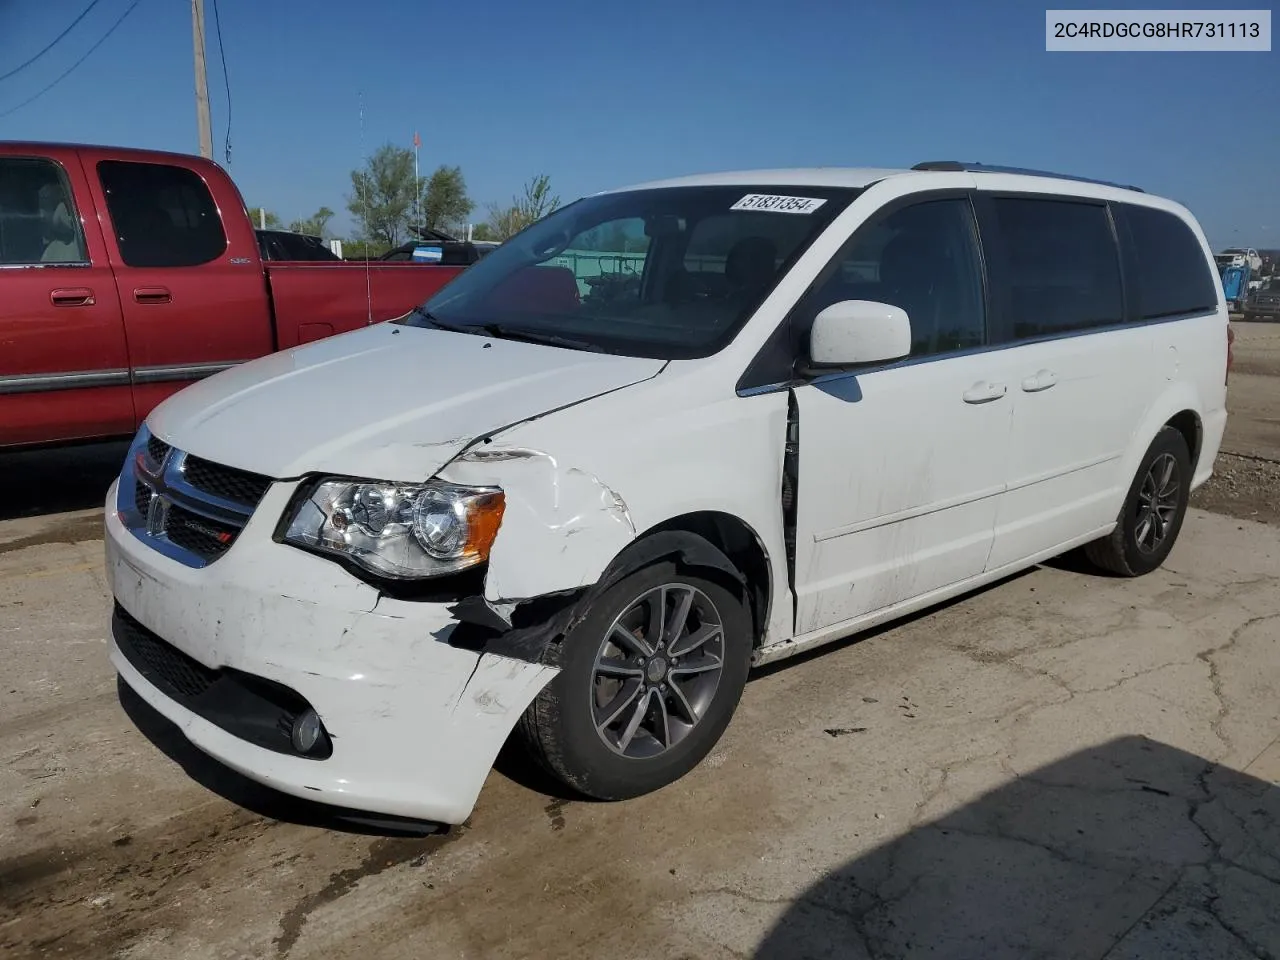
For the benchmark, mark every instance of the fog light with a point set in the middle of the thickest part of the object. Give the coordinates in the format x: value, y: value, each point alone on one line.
x: 306, y: 731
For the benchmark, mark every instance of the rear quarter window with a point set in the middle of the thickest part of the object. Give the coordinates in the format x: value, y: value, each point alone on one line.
x: 1166, y: 269
x: 163, y: 215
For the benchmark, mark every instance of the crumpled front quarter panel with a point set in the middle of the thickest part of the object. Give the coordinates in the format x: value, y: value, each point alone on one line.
x: 583, y: 483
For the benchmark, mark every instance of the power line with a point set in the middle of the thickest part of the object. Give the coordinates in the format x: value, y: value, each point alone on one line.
x: 22, y: 66
x: 226, y: 80
x: 70, y: 69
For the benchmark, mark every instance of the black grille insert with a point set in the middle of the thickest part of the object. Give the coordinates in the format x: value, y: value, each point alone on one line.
x: 141, y: 498
x: 255, y: 709
x: 157, y: 450
x: 165, y: 667
x: 207, y: 539
x: 229, y: 483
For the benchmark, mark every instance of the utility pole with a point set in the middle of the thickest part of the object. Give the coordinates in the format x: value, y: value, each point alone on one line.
x: 202, y: 80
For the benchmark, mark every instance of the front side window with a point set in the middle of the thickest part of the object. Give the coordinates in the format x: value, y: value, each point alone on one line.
x: 922, y: 258
x: 38, y: 219
x: 1063, y: 266
x: 163, y: 216
x: 1171, y: 276
x: 666, y: 272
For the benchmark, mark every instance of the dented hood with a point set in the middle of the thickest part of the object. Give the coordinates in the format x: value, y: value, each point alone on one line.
x: 386, y: 402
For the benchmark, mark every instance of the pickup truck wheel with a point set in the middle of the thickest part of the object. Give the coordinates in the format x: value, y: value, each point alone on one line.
x: 648, y: 682
x: 1152, y: 515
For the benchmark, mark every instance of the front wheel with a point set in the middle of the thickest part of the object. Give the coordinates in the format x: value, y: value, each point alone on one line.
x: 1152, y: 515
x: 648, y: 682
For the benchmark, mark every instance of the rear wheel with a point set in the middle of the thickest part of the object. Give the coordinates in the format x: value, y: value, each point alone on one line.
x: 648, y: 682
x: 1152, y: 515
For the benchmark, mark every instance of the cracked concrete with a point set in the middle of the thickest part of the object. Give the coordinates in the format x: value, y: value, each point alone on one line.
x: 1065, y: 765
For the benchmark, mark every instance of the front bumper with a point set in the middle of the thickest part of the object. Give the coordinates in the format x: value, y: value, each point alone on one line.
x: 415, y: 723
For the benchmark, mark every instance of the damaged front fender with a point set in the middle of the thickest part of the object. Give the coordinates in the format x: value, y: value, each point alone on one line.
x: 561, y: 526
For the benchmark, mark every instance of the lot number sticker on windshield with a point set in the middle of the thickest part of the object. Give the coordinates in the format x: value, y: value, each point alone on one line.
x: 778, y: 204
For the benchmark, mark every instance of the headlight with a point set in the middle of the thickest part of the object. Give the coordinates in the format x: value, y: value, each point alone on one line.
x: 405, y: 531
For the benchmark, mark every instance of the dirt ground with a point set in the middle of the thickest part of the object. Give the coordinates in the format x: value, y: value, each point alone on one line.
x: 1247, y: 475
x: 1064, y: 765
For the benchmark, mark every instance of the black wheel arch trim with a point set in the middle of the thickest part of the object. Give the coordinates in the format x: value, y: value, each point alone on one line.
x: 538, y: 622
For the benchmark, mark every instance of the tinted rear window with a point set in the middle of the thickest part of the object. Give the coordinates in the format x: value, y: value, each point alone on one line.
x: 1170, y: 275
x: 163, y: 216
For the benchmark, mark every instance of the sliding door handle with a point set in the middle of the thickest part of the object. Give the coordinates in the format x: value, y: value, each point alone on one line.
x: 984, y: 392
x: 1042, y: 380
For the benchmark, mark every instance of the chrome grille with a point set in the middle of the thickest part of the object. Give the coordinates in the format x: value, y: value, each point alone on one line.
x: 188, y: 508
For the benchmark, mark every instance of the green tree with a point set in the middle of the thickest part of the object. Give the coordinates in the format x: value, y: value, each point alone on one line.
x: 362, y: 248
x: 483, y: 231
x: 445, y: 204
x: 255, y: 214
x: 535, y: 203
x: 383, y: 195
x: 314, y: 225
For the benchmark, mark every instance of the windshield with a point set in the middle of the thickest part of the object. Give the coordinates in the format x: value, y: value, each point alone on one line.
x: 667, y: 273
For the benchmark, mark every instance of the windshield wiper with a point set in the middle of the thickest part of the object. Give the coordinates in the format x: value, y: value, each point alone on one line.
x: 503, y: 332
x: 500, y: 331
x: 436, y: 322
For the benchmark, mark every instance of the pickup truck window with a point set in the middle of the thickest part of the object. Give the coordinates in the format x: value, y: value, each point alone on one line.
x: 666, y: 272
x: 38, y: 219
x: 163, y: 215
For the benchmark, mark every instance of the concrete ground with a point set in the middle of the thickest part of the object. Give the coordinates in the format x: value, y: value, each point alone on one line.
x: 1064, y: 765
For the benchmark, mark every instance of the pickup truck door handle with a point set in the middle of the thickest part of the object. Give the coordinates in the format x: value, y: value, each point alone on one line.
x: 72, y: 297
x: 152, y: 295
x: 1043, y: 380
x: 984, y: 392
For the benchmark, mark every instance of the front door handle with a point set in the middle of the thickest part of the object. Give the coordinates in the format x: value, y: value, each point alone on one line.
x: 1043, y: 380
x: 152, y: 295
x: 984, y: 392
x: 72, y: 297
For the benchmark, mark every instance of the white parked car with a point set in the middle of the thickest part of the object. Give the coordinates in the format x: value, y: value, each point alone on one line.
x: 827, y: 398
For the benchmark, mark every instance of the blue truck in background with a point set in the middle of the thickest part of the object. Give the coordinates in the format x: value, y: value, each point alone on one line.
x: 1235, y: 285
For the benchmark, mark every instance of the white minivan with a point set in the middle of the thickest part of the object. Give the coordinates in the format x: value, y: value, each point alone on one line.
x: 663, y: 434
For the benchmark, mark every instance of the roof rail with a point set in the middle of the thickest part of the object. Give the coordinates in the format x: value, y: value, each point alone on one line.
x: 958, y: 167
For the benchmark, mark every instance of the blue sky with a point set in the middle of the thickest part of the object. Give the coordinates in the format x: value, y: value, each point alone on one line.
x: 599, y: 94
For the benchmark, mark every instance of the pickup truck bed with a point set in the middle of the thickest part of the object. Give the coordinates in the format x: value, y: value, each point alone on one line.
x: 126, y: 275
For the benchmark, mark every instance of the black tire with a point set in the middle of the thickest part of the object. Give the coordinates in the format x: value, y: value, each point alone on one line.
x: 1121, y: 552
x: 559, y: 727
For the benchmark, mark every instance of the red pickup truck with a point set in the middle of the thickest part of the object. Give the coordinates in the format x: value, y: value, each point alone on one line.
x: 127, y: 274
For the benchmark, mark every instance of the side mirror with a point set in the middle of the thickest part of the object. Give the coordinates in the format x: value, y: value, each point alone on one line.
x: 859, y: 331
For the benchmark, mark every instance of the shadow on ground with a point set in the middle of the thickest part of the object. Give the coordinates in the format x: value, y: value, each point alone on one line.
x: 1133, y: 851
x: 35, y: 483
